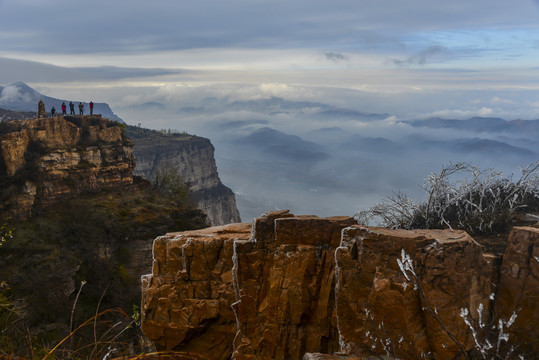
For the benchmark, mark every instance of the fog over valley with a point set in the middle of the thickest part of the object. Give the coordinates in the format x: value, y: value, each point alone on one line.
x: 316, y: 158
x: 320, y: 107
x: 315, y: 150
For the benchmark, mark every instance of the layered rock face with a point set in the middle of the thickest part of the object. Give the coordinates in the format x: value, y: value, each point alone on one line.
x: 45, y: 160
x: 186, y: 301
x: 380, y: 309
x: 285, y: 275
x: 518, y: 288
x: 193, y: 158
x: 324, y: 288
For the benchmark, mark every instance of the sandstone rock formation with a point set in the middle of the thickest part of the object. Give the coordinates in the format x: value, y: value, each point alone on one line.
x: 376, y: 301
x: 48, y: 159
x: 186, y: 302
x: 518, y: 288
x: 285, y: 275
x: 305, y: 287
x: 193, y: 158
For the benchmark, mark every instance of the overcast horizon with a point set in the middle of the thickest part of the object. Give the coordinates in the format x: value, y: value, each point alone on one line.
x: 413, y: 59
x: 213, y: 68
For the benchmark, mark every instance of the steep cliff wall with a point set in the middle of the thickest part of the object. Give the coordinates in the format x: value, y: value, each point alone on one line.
x: 193, y: 158
x: 312, y: 288
x: 45, y: 160
x: 286, y: 275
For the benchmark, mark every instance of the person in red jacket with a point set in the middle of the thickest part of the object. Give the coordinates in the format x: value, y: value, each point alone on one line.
x: 64, y: 108
x: 91, y: 107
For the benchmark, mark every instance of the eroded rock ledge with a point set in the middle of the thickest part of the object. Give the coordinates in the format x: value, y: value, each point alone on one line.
x: 293, y: 287
x: 46, y: 160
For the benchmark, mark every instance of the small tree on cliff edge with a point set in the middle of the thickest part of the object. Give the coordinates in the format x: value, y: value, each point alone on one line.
x: 168, y: 182
x: 461, y: 196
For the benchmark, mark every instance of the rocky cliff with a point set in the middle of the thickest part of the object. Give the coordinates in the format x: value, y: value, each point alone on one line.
x: 192, y: 157
x: 76, y: 215
x: 187, y: 299
x: 45, y: 160
x: 324, y: 288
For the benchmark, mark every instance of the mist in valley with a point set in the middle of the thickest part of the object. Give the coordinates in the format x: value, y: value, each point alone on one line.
x: 322, y: 158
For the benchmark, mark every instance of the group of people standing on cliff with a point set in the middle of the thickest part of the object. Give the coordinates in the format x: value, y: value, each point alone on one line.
x: 41, y: 112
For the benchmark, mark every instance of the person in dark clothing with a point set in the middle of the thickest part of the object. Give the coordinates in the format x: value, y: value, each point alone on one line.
x: 72, y: 108
x: 91, y: 107
x: 53, y: 111
x: 81, y: 109
x: 64, y: 108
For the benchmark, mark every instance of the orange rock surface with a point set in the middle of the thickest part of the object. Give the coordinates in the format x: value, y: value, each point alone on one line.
x: 285, y: 278
x: 186, y: 302
x: 380, y: 310
x: 518, y: 289
x: 303, y: 287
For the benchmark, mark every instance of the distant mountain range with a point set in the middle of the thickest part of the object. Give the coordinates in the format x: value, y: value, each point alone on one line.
x: 528, y: 128
x: 21, y: 97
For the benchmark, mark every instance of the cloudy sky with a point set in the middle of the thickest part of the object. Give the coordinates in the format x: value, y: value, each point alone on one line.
x: 407, y: 58
x: 184, y: 64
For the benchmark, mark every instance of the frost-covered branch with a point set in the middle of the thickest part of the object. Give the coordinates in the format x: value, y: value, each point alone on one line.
x: 461, y: 196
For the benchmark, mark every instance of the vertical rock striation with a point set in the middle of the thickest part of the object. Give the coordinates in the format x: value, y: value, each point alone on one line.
x: 379, y: 309
x: 285, y: 275
x: 518, y: 288
x: 304, y: 287
x: 186, y: 301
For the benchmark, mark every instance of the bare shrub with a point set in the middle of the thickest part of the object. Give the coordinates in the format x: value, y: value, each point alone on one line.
x: 461, y: 196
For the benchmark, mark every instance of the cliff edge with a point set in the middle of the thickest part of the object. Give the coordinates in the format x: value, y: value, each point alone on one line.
x: 303, y: 287
x: 192, y: 157
x: 43, y: 161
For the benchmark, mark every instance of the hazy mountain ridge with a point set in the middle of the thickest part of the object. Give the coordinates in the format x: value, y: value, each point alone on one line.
x: 329, y: 159
x: 6, y: 115
x: 528, y: 128
x: 364, y: 159
x: 276, y: 143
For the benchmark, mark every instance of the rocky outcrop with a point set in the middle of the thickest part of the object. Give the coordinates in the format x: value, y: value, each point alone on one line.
x: 45, y: 160
x: 381, y: 310
x: 285, y: 275
x: 305, y: 287
x: 193, y: 158
x: 518, y: 288
x: 186, y: 301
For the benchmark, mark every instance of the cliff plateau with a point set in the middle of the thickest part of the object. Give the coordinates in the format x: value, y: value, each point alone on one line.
x: 327, y: 288
x: 45, y: 160
x: 192, y: 157
x: 77, y: 218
